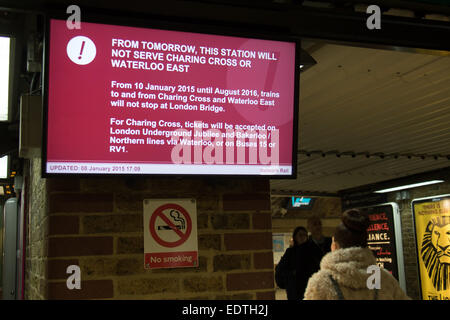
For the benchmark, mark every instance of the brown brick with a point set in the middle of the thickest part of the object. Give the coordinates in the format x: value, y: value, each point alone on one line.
x: 230, y: 221
x: 79, y: 246
x: 112, y: 223
x: 136, y: 183
x: 63, y: 184
x: 98, y: 267
x: 90, y: 289
x: 102, y: 185
x: 226, y: 262
x: 63, y: 225
x: 78, y: 202
x: 262, y: 220
x: 202, y: 221
x: 174, y: 185
x: 209, y: 241
x: 201, y: 284
x: 247, y: 201
x: 130, y: 245
x: 207, y: 201
x: 129, y: 202
x: 266, y: 295
x: 147, y: 286
x: 130, y: 266
x: 102, y: 267
x: 224, y: 185
x: 263, y: 260
x: 250, y: 280
x: 248, y: 241
x: 56, y: 269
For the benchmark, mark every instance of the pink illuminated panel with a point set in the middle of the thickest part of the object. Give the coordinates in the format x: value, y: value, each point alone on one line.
x: 125, y: 100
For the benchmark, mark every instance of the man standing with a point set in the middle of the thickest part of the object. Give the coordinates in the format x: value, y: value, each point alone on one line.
x: 317, y: 238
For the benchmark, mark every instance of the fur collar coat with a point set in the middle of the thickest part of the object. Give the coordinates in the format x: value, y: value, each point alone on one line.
x: 348, y: 267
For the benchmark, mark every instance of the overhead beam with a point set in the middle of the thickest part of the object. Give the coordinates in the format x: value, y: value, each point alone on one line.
x: 443, y: 173
x: 284, y: 19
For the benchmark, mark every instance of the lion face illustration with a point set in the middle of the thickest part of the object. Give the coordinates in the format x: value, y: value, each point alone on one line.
x: 435, y: 252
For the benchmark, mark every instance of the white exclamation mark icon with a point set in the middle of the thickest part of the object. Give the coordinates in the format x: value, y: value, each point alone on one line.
x: 81, y: 51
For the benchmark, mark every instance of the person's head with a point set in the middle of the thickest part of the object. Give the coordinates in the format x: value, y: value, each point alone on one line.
x: 315, y: 227
x: 299, y: 236
x: 352, y: 231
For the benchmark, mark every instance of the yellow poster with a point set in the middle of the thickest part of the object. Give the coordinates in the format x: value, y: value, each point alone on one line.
x: 432, y: 226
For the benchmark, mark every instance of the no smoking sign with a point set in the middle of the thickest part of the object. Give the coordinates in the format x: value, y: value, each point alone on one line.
x: 170, y: 233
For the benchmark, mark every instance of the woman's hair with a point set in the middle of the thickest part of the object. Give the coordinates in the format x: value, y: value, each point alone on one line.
x: 296, y: 230
x: 352, y: 232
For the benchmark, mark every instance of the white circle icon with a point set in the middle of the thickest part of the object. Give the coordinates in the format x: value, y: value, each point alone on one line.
x: 81, y: 50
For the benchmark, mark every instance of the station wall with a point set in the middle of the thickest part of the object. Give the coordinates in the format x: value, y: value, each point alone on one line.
x: 97, y: 224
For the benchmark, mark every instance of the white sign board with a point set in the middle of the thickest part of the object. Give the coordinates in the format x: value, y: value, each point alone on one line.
x: 170, y: 233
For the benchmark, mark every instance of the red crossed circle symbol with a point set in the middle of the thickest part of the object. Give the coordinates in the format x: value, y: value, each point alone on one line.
x: 159, y: 212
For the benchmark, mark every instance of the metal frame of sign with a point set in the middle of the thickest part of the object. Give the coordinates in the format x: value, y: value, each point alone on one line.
x: 398, y: 240
x: 115, y: 21
x: 413, y: 202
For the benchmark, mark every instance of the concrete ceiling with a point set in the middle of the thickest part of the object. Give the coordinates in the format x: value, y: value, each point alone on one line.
x: 369, y: 115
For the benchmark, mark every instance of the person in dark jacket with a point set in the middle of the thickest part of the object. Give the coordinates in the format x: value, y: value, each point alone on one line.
x: 286, y: 269
x: 301, y: 261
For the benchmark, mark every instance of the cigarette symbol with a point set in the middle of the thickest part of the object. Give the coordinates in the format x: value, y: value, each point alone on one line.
x: 175, y: 214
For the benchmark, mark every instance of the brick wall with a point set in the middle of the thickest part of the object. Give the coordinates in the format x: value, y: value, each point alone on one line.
x: 98, y: 224
x: 37, y: 229
x: 409, y: 246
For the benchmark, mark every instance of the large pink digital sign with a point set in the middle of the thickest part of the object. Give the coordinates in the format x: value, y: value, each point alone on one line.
x: 126, y: 100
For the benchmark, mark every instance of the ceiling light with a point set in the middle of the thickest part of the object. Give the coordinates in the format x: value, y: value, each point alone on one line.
x: 4, y: 77
x: 409, y: 186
